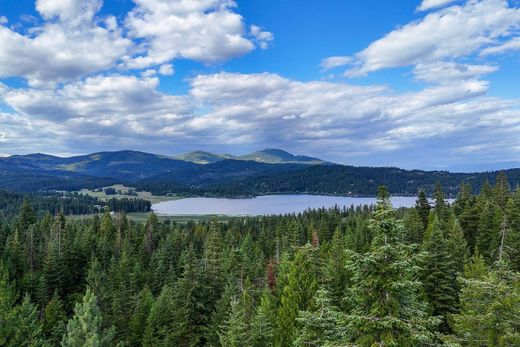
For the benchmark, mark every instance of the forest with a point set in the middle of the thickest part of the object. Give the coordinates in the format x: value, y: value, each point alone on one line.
x: 437, y: 274
x: 67, y: 203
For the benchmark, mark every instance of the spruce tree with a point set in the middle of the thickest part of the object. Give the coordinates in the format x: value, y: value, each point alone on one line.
x: 422, y: 206
x: 302, y: 283
x: 439, y: 275
x: 322, y: 324
x: 490, y: 306
x: 385, y: 306
x: 263, y: 324
x: 54, y: 320
x: 85, y: 328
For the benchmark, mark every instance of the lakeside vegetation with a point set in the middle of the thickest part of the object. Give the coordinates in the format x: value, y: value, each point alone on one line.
x: 425, y: 276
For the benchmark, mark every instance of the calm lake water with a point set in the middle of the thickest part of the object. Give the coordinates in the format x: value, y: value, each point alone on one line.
x: 266, y: 205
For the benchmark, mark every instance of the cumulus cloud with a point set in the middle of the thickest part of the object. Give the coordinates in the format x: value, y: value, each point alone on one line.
x: 268, y: 109
x: 432, y: 4
x: 207, y: 31
x: 262, y: 38
x: 334, y: 62
x: 72, y: 46
x: 449, y: 33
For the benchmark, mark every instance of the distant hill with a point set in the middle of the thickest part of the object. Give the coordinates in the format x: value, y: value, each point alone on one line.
x: 204, y: 173
x: 278, y: 156
x: 268, y: 156
x: 201, y: 157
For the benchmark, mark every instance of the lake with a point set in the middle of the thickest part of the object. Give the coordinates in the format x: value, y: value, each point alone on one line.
x: 265, y: 205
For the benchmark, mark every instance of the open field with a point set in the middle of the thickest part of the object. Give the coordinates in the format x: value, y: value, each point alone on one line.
x: 119, y: 187
x: 141, y: 217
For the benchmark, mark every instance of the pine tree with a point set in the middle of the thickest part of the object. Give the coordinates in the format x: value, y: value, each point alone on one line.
x: 160, y: 324
x: 54, y: 320
x: 488, y: 235
x: 512, y: 237
x: 263, y: 324
x: 490, y: 306
x: 138, y: 322
x: 335, y: 274
x: 385, y: 308
x: 235, y: 329
x: 28, y: 329
x: 85, y: 327
x: 190, y: 302
x: 422, y: 206
x: 26, y: 218
x: 439, y: 275
x: 322, y: 325
x: 302, y: 283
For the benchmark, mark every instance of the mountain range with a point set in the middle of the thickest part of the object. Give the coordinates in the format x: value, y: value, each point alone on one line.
x: 203, y: 173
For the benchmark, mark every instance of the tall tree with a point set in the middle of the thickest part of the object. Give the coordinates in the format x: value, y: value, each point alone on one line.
x: 85, y: 328
x: 322, y: 324
x: 384, y: 301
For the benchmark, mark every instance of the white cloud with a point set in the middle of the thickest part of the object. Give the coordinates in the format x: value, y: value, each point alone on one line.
x: 511, y: 45
x: 3, y: 20
x: 207, y: 31
x: 71, y: 11
x: 226, y: 109
x: 432, y: 4
x: 450, y: 72
x: 334, y: 62
x: 166, y: 70
x: 61, y: 50
x: 446, y: 34
x: 262, y: 38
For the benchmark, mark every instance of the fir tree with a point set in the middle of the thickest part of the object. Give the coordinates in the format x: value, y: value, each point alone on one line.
x: 385, y: 308
x: 322, y: 325
x: 86, y: 326
x: 439, y: 275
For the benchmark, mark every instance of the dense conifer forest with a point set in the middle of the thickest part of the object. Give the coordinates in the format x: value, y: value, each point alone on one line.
x: 433, y: 275
x: 67, y: 203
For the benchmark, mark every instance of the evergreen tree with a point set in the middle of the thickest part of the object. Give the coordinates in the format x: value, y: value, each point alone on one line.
x: 54, y: 320
x: 236, y: 328
x: 302, y: 283
x: 322, y: 325
x: 422, y: 206
x: 138, y: 322
x: 385, y: 308
x: 490, y: 306
x: 85, y: 327
x: 440, y: 275
x: 263, y: 324
x: 160, y: 324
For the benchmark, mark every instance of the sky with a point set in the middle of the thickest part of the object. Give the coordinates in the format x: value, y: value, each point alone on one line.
x: 431, y: 84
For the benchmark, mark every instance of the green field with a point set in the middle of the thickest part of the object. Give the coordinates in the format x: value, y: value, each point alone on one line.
x: 141, y: 217
x: 119, y: 187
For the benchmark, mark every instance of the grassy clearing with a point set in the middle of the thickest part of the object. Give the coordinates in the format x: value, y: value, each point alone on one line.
x: 141, y: 217
x: 119, y: 187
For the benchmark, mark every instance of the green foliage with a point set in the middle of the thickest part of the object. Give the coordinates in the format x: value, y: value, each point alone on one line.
x: 340, y: 277
x: 384, y: 301
x: 490, y: 306
x: 322, y: 325
x: 86, y: 326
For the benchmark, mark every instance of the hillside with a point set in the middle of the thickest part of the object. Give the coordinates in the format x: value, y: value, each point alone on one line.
x: 267, y: 156
x: 273, y: 171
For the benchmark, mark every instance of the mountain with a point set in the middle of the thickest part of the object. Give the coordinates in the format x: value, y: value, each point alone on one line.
x: 201, y: 157
x: 262, y: 172
x: 278, y: 156
x: 268, y: 156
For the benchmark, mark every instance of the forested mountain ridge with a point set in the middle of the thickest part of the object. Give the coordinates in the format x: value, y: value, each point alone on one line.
x: 226, y: 177
x: 432, y: 275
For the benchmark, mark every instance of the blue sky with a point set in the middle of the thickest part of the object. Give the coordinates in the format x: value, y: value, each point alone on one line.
x: 428, y: 84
